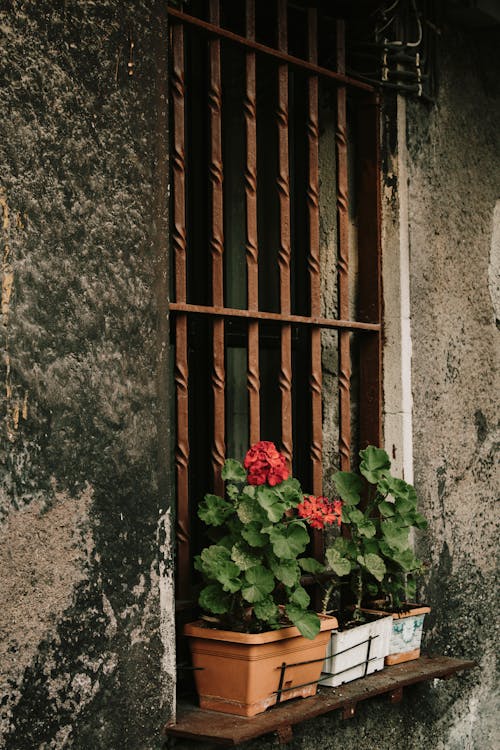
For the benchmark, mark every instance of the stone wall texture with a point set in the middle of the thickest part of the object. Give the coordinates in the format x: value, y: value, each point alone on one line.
x: 85, y: 599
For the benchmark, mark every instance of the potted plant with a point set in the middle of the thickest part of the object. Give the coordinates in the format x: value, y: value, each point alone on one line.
x: 259, y: 643
x: 376, y: 556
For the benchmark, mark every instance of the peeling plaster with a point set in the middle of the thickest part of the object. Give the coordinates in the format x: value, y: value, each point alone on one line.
x: 44, y: 554
x: 167, y: 607
x: 494, y: 264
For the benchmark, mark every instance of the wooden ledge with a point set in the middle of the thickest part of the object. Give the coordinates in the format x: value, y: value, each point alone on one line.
x: 225, y: 729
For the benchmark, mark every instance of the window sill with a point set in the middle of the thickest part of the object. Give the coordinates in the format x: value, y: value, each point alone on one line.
x: 224, y: 729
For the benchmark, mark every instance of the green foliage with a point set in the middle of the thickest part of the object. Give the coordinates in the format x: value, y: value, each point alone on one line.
x: 376, y: 559
x: 252, y: 571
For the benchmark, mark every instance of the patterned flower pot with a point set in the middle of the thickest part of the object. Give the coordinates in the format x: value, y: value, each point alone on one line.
x: 407, y: 628
x: 358, y: 651
x: 243, y: 673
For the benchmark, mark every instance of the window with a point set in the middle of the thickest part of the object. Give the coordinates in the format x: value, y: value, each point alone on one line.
x: 276, y: 312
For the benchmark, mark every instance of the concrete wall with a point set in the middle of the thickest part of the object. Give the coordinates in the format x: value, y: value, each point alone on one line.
x: 82, y: 508
x: 86, y: 648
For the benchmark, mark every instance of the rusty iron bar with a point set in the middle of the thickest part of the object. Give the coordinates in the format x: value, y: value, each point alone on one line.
x: 284, y: 250
x: 343, y: 260
x: 216, y: 251
x: 251, y: 244
x: 233, y: 312
x: 313, y: 262
x: 181, y: 321
x: 278, y: 54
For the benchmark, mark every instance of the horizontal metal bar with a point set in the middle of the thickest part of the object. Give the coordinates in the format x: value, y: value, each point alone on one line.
x: 295, y: 687
x: 323, y: 658
x: 361, y: 643
x: 348, y: 669
x: 228, y: 312
x: 283, y: 56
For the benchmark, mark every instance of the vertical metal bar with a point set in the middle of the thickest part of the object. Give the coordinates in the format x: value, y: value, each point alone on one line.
x: 367, y: 660
x: 217, y: 249
x: 343, y: 259
x: 181, y: 345
x: 369, y: 277
x: 282, y: 679
x: 313, y: 261
x: 313, y: 255
x: 250, y: 111
x: 284, y: 252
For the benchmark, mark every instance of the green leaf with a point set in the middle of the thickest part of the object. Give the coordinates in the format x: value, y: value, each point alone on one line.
x: 243, y: 556
x: 375, y: 464
x: 300, y: 597
x: 349, y: 486
x: 232, y: 491
x: 266, y: 610
x: 259, y: 582
x: 395, y: 536
x: 249, y: 510
x: 212, y: 558
x: 344, y: 546
x: 290, y: 492
x: 374, y: 565
x: 371, y: 545
x: 253, y: 535
x: 367, y: 529
x: 233, y: 471
x: 271, y: 503
x: 307, y: 622
x: 386, y: 509
x: 418, y: 520
x: 227, y: 575
x: 286, y: 571
x: 289, y: 541
x: 310, y: 565
x: 341, y: 566
x: 406, y: 560
x: 353, y: 515
x: 405, y: 508
x: 213, y: 599
x: 214, y: 510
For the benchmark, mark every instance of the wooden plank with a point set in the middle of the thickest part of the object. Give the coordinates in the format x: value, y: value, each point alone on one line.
x: 224, y: 729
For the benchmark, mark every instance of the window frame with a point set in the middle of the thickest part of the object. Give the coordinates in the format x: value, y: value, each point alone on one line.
x: 368, y: 322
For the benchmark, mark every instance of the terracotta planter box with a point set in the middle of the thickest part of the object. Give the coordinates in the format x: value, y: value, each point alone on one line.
x: 241, y: 673
x: 407, y: 628
x: 358, y: 651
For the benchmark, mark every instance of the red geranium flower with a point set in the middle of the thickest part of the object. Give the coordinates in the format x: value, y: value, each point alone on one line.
x: 320, y: 512
x: 264, y: 463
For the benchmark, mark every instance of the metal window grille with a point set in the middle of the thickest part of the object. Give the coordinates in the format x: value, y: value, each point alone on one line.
x: 205, y: 204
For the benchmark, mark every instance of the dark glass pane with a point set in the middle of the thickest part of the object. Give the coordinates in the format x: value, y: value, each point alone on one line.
x: 236, y: 390
x: 234, y: 159
x: 200, y: 420
x: 267, y: 191
x: 197, y: 160
x: 298, y: 194
x: 270, y: 396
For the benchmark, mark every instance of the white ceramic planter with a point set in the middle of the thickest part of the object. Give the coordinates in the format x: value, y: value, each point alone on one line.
x: 406, y: 634
x: 356, y: 652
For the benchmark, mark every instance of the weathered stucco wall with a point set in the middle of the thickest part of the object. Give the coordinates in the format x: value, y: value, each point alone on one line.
x: 454, y: 191
x: 83, y: 519
x: 85, y: 646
